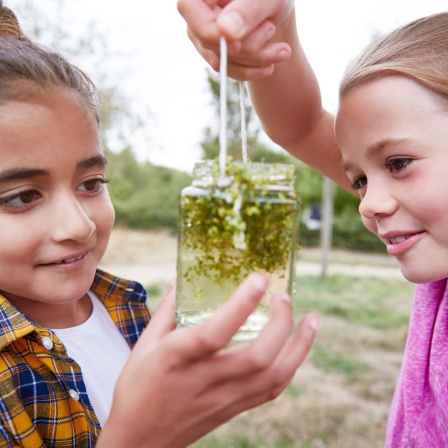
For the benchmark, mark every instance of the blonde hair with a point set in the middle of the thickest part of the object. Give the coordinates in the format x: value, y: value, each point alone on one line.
x: 24, y: 64
x: 418, y: 50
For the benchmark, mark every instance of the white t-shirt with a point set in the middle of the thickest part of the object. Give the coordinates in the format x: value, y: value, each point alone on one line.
x: 101, y: 351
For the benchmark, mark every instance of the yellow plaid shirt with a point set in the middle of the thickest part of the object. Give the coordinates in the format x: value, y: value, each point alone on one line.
x: 43, y: 399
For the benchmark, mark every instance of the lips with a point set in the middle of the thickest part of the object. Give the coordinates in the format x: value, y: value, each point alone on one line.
x: 397, y: 236
x: 68, y: 260
x: 399, y: 243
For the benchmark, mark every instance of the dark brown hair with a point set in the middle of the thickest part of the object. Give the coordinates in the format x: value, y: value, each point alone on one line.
x: 25, y: 65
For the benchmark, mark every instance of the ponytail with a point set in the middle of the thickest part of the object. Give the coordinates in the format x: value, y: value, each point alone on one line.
x: 24, y: 65
x: 9, y: 25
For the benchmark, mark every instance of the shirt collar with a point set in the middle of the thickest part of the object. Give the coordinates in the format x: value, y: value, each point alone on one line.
x: 15, y: 325
x: 108, y: 286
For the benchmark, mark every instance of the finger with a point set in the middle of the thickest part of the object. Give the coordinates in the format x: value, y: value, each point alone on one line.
x: 239, y: 18
x: 268, y: 384
x: 256, y: 40
x: 299, y: 346
x: 275, y: 333
x: 203, y: 340
x: 270, y: 54
x: 295, y: 353
x: 211, y: 55
x: 237, y: 70
x: 258, y: 355
x: 249, y: 68
x: 244, y: 65
x: 201, y: 19
x: 163, y: 320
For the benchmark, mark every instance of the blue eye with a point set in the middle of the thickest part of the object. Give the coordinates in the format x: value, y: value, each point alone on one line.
x: 23, y: 199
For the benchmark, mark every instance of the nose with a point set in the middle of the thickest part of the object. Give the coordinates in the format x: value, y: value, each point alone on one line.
x: 377, y: 202
x: 71, y: 221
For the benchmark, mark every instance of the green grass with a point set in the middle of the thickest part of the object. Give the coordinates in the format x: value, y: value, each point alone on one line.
x: 329, y: 361
x: 367, y: 301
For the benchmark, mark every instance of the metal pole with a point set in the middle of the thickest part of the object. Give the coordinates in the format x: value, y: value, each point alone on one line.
x: 327, y: 223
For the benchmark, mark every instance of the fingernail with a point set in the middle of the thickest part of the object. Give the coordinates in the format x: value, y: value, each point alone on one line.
x: 261, y: 281
x: 285, y: 297
x: 233, y: 23
x: 283, y: 54
x: 313, y: 323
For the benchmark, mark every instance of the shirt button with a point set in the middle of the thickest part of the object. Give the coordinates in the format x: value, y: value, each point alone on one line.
x: 74, y: 394
x: 47, y: 343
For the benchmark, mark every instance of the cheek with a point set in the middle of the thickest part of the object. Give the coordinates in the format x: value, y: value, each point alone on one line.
x: 101, y: 212
x: 104, y: 221
x: 427, y: 205
x: 21, y: 235
x: 105, y: 218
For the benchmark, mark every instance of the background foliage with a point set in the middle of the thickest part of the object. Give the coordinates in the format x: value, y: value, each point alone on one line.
x: 146, y: 195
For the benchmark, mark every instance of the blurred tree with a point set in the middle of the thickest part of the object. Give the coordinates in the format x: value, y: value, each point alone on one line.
x: 145, y: 196
x: 49, y: 22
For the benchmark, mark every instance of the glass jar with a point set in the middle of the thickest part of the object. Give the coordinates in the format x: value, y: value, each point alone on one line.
x: 228, y: 229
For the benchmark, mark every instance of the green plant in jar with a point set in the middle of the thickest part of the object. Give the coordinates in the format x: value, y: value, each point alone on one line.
x: 229, y: 229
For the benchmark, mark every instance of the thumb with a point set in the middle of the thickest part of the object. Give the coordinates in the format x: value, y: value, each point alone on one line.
x: 239, y: 18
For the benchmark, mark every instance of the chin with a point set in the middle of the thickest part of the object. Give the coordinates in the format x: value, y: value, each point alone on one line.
x: 422, y: 276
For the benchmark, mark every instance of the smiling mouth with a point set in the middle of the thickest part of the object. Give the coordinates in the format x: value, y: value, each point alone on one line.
x: 399, y: 239
x: 72, y: 259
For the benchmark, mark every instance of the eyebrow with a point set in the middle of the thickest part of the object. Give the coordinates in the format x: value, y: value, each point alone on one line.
x: 27, y: 173
x: 99, y: 161
x: 378, y: 147
x: 18, y: 173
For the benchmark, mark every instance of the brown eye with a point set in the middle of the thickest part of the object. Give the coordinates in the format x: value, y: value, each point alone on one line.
x: 92, y: 185
x: 359, y: 183
x: 398, y: 164
x: 21, y: 201
x: 28, y: 196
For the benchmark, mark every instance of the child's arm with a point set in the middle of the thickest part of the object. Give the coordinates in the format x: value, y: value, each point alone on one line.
x: 180, y: 384
x: 266, y: 51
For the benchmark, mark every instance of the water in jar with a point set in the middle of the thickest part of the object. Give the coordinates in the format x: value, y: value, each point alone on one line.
x: 226, y: 233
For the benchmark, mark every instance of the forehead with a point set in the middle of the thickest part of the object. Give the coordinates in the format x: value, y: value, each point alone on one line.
x: 51, y: 123
x: 33, y: 94
x: 391, y: 107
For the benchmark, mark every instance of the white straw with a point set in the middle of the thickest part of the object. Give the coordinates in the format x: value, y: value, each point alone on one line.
x: 223, y: 111
x: 243, y: 121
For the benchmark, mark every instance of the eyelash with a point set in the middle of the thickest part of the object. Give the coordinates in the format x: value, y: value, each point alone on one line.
x: 389, y: 165
x: 33, y: 195
x: 100, y: 181
x: 8, y: 201
x: 405, y: 161
x: 355, y: 185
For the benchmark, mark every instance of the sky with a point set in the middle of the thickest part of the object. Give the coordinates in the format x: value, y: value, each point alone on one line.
x: 164, y: 79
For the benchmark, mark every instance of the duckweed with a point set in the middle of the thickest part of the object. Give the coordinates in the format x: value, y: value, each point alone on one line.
x: 248, y: 225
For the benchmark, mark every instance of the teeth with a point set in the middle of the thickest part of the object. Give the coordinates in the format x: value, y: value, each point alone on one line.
x: 398, y: 239
x: 71, y: 260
